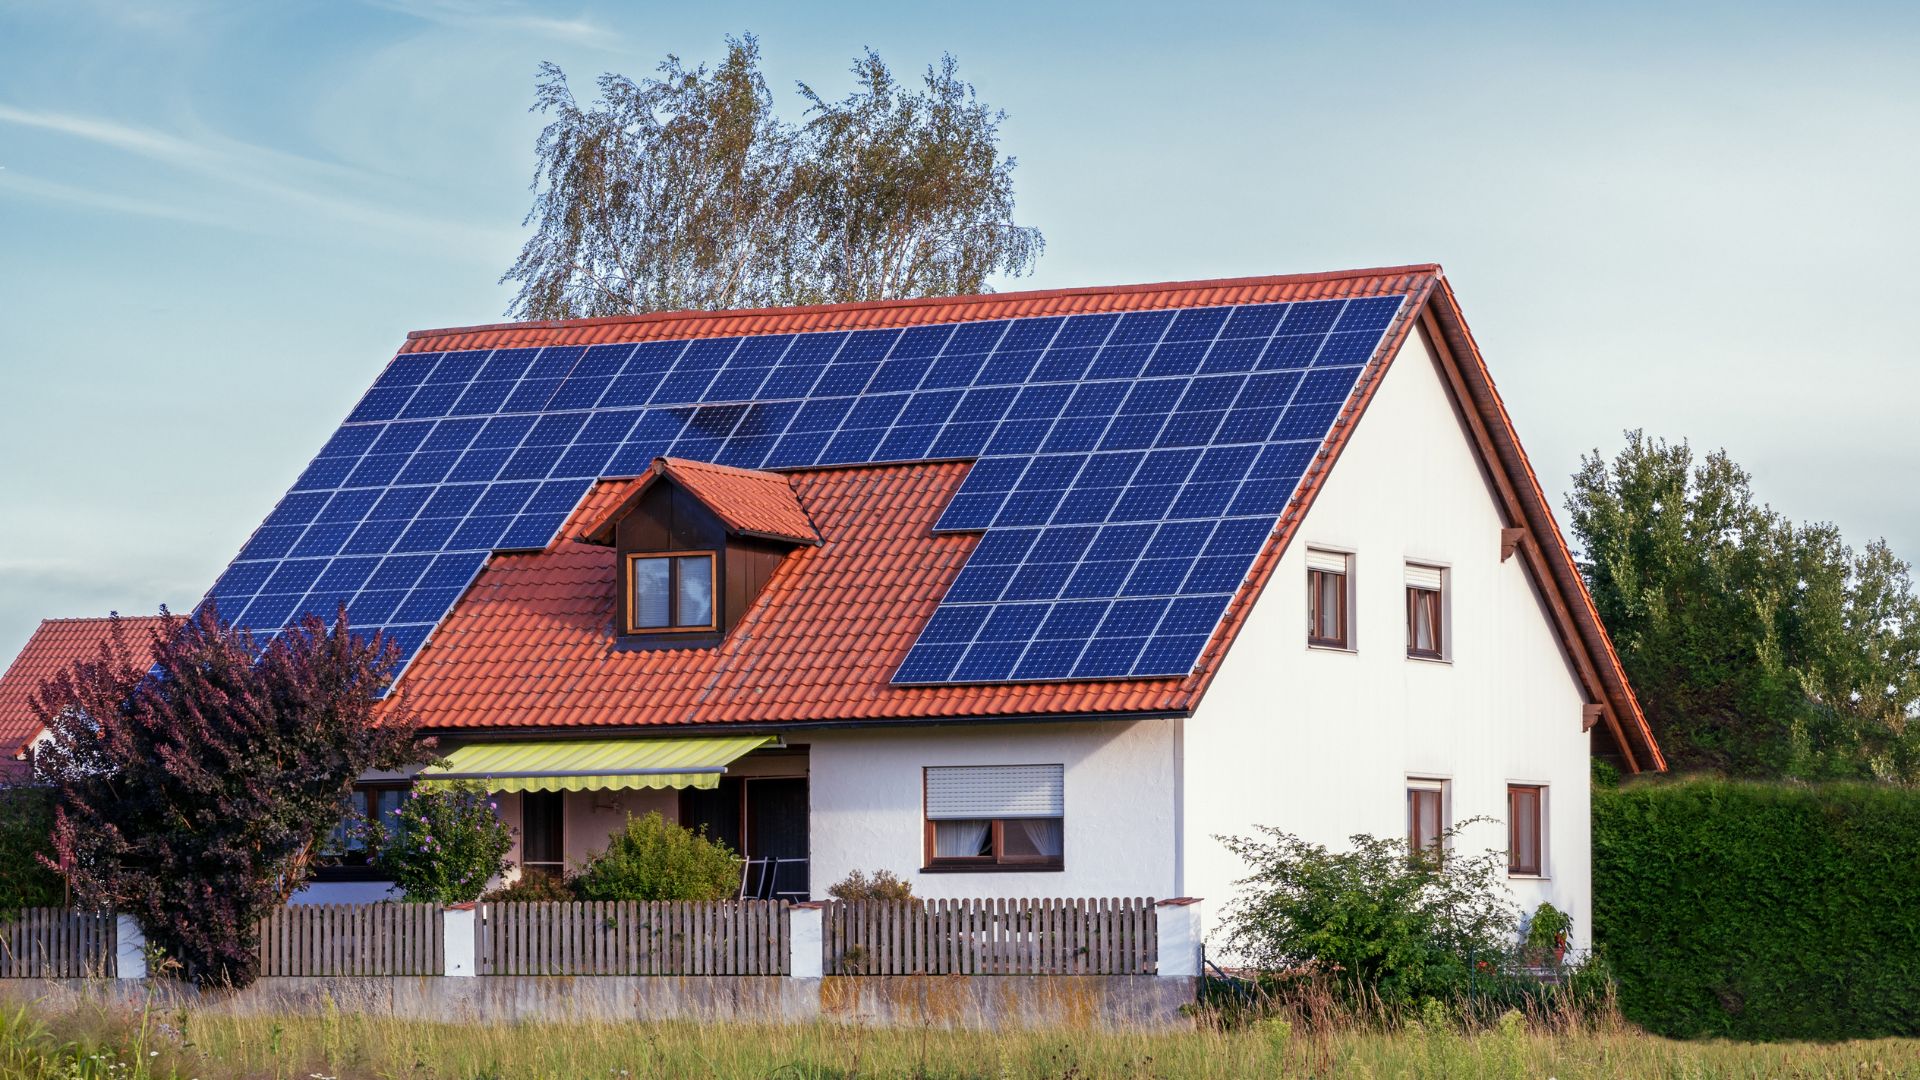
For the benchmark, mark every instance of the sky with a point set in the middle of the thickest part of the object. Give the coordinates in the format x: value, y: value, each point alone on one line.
x: 219, y: 220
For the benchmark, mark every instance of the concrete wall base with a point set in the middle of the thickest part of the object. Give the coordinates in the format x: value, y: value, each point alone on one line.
x: 941, y: 1001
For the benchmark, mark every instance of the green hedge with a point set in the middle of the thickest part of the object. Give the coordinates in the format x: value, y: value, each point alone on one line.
x: 26, y: 821
x: 1761, y: 911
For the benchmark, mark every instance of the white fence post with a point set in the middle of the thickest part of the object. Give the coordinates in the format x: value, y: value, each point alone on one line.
x: 1181, y: 934
x: 804, y: 960
x: 130, y: 948
x: 461, y: 928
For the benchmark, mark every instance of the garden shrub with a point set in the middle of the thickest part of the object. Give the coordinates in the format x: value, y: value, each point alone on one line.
x: 26, y: 830
x: 1386, y: 922
x: 880, y: 885
x: 1757, y: 910
x: 445, y: 844
x: 655, y: 859
x: 202, y: 776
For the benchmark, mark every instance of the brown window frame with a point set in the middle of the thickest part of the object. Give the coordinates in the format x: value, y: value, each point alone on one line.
x: 673, y: 592
x: 1538, y: 793
x: 1435, y: 600
x: 347, y: 864
x: 1416, y: 792
x: 1340, y: 612
x: 999, y: 860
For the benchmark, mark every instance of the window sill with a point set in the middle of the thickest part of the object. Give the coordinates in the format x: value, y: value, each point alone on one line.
x: 1345, y: 649
x: 1527, y: 877
x: 1443, y: 661
x: 997, y: 868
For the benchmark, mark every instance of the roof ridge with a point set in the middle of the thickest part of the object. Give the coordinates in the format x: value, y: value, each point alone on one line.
x: 934, y: 301
x: 98, y: 618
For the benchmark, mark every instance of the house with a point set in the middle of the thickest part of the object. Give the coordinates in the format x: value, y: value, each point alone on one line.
x: 1021, y: 594
x: 53, y: 648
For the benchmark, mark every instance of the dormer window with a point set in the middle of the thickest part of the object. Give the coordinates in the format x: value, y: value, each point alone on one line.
x: 670, y: 591
x: 694, y: 544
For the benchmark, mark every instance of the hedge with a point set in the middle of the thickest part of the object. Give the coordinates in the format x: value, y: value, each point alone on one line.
x: 1761, y: 911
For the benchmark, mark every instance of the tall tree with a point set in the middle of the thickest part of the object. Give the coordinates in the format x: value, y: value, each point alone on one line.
x: 194, y: 793
x: 1758, y: 647
x: 688, y: 191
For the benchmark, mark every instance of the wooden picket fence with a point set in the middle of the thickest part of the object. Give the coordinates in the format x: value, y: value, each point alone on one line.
x: 353, y: 939
x: 1117, y: 936
x: 745, y: 937
x: 55, y: 943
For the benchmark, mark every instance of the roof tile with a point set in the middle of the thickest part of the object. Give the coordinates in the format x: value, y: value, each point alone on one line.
x: 52, y: 649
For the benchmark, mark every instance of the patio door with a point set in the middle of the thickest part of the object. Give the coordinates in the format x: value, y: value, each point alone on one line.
x: 765, y: 820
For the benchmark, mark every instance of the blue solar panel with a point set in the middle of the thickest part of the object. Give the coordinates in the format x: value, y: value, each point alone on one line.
x: 1128, y: 467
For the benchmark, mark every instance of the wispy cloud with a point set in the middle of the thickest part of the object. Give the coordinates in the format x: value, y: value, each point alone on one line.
x: 488, y: 16
x: 289, y: 181
x: 14, y: 182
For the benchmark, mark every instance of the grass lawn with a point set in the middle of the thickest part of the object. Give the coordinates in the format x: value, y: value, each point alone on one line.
x: 205, y: 1047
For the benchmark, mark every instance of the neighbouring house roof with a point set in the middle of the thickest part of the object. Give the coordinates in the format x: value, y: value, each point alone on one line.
x: 747, y: 501
x: 52, y: 649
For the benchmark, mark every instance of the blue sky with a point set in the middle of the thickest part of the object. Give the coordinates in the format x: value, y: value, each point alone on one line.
x: 217, y: 221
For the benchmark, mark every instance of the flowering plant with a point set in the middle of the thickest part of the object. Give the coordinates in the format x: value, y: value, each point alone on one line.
x: 444, y: 844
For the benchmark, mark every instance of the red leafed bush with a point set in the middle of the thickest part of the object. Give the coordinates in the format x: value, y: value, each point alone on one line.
x: 194, y: 793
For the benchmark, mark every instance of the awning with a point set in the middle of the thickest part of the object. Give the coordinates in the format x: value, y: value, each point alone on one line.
x: 593, y: 764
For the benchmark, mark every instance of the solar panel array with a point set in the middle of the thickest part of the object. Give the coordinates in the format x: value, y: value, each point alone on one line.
x: 1129, y: 467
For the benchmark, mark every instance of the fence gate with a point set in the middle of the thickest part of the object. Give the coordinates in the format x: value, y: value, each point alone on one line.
x: 1118, y: 936
x: 608, y: 937
x: 353, y: 939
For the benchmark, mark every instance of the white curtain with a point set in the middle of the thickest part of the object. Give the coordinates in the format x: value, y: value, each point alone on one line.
x: 1042, y: 835
x: 961, y: 839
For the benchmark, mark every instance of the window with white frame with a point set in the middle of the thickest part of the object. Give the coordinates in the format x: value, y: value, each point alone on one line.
x: 1329, y: 599
x: 995, y: 817
x: 1426, y: 612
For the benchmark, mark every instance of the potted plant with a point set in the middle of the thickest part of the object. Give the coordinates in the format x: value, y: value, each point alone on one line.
x: 1546, y: 937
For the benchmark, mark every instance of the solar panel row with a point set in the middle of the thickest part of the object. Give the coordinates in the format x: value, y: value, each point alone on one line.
x: 1144, y: 454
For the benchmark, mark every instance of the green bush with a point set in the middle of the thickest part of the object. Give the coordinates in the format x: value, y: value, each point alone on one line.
x: 879, y: 885
x: 1388, y: 923
x: 655, y: 859
x: 26, y: 823
x: 1761, y: 911
x: 446, y: 844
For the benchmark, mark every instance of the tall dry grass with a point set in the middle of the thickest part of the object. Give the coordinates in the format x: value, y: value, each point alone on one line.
x: 96, y: 1043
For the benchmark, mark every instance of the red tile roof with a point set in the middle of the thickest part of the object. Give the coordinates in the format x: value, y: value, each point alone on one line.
x: 884, y: 313
x: 530, y: 643
x: 529, y: 646
x: 747, y: 501
x: 53, y: 648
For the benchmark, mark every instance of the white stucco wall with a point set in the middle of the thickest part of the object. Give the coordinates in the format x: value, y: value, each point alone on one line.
x: 1322, y: 743
x: 867, y: 810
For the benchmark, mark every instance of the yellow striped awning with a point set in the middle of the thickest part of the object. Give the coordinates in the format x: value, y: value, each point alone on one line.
x: 592, y: 764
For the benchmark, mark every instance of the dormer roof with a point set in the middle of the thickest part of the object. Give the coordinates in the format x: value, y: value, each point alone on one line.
x: 748, y: 502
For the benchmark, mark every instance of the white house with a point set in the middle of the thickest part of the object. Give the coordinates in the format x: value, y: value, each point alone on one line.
x: 1021, y: 594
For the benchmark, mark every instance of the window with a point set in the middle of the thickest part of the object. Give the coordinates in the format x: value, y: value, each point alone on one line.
x: 1426, y: 814
x: 1328, y: 578
x: 982, y: 817
x: 366, y: 803
x: 1523, y: 829
x: 1426, y: 612
x: 543, y: 833
x: 669, y: 592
